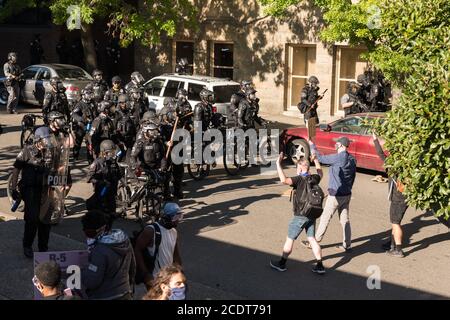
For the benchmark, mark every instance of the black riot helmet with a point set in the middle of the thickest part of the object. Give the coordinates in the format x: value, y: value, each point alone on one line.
x: 116, y: 80
x: 352, y: 88
x: 149, y: 116
x: 42, y: 137
x: 54, y: 82
x: 103, y: 107
x: 87, y: 94
x: 60, y: 87
x: 107, y: 146
x: 150, y: 130
x: 207, y: 96
x: 12, y: 57
x: 250, y: 93
x: 245, y: 84
x: 122, y: 101
x: 313, y: 82
x: 137, y: 78
x: 56, y: 119
x: 181, y: 95
x: 168, y: 101
x: 97, y: 75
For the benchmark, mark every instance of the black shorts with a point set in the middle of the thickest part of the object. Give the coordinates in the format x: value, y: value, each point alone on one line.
x: 397, y: 211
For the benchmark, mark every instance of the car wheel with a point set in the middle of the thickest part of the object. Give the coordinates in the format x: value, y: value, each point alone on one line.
x: 296, y: 149
x: 3, y: 95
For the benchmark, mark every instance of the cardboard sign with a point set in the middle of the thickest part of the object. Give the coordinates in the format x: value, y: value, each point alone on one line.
x: 68, y: 262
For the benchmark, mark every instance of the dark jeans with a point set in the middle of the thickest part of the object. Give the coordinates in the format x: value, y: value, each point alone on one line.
x: 177, y: 172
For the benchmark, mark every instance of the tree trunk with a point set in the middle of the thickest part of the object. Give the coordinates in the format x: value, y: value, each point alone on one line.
x: 87, y: 40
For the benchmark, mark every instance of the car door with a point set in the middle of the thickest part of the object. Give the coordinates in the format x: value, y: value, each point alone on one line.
x: 153, y: 90
x: 347, y: 127
x: 29, y: 76
x: 170, y: 90
x: 42, y: 84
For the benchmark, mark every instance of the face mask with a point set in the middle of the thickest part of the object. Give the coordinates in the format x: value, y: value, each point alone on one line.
x: 177, y: 293
x: 303, y: 174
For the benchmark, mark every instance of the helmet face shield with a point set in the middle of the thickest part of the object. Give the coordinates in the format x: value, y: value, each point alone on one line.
x: 138, y: 78
x: 59, y: 123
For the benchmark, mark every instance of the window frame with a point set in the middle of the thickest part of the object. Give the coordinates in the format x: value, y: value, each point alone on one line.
x: 174, y: 54
x: 213, y: 66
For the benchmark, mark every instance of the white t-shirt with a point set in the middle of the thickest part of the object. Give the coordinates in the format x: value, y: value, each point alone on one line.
x: 166, y: 248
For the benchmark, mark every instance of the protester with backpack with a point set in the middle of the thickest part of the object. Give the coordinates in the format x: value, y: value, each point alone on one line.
x: 342, y: 175
x: 307, y: 205
x: 112, y: 266
x: 156, y: 245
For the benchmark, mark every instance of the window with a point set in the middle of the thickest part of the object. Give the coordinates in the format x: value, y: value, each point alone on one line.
x: 223, y: 60
x: 302, y: 65
x: 44, y: 74
x: 223, y: 93
x: 350, y: 65
x: 184, y: 49
x: 154, y: 87
x: 348, y: 125
x: 73, y: 74
x: 194, y: 91
x: 30, y: 73
x: 172, y: 88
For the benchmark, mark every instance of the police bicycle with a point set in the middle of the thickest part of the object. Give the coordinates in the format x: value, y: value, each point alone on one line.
x: 240, y: 156
x: 28, y: 128
x: 145, y: 191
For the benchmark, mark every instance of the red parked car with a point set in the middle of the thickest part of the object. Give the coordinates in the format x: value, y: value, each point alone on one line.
x: 352, y: 127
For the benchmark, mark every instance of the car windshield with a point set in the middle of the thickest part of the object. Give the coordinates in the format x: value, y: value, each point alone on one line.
x: 73, y: 74
x: 223, y: 93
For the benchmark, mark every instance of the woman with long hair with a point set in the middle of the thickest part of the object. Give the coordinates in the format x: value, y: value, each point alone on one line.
x: 169, y: 284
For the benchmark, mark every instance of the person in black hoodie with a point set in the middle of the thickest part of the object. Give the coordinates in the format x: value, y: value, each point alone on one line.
x: 112, y: 266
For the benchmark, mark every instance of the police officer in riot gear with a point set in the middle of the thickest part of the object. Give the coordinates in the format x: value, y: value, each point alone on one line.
x: 309, y: 96
x: 102, y: 128
x: 182, y: 66
x: 138, y: 104
x: 112, y: 95
x: 167, y: 117
x: 12, y: 73
x: 125, y: 126
x: 183, y: 109
x: 350, y: 101
x: 137, y: 81
x: 33, y: 161
x: 98, y: 86
x: 104, y: 174
x: 203, y: 110
x: 248, y: 111
x: 236, y: 99
x: 149, y: 150
x: 82, y: 117
x: 56, y: 99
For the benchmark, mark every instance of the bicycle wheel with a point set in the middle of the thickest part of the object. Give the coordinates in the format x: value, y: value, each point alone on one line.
x: 26, y: 136
x: 198, y: 171
x: 122, y: 198
x: 21, y: 207
x: 235, y: 165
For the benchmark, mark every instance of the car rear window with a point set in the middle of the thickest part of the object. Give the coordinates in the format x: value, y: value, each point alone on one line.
x: 73, y: 74
x: 223, y: 93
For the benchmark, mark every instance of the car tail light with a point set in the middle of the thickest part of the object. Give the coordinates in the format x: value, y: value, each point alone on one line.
x: 214, y: 109
x: 73, y: 88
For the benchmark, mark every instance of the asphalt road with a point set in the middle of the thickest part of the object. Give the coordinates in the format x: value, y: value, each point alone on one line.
x: 233, y: 226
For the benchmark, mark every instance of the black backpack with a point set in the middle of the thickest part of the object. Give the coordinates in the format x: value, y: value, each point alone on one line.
x: 302, y: 107
x: 308, y: 201
x: 148, y: 258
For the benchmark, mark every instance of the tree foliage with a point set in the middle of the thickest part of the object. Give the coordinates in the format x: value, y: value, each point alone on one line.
x: 146, y: 23
x: 409, y: 41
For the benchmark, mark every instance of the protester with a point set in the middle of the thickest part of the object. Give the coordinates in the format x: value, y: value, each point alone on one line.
x: 341, y: 178
x: 169, y: 284
x: 300, y: 221
x: 397, y: 209
x: 47, y: 280
x: 157, y: 244
x: 112, y: 266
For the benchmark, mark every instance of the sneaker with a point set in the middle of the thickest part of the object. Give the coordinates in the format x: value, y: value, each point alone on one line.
x: 278, y: 266
x: 28, y: 252
x: 342, y: 248
x: 306, y: 244
x: 319, y: 269
x: 396, y: 253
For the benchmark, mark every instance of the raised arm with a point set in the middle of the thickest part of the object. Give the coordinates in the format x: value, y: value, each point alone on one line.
x: 281, y: 175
